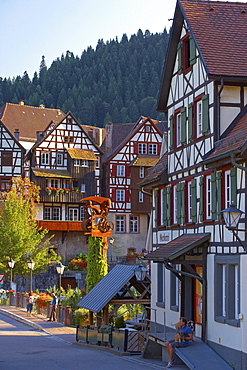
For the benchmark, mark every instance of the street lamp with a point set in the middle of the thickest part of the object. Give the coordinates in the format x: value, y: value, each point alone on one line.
x: 11, y: 264
x: 31, y: 266
x: 140, y: 272
x: 231, y: 217
x: 60, y: 270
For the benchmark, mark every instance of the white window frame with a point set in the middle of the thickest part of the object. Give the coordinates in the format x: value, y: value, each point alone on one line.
x: 120, y: 170
x: 178, y: 117
x: 54, y: 211
x: 227, y: 189
x: 208, y: 198
x: 141, y: 197
x: 224, y: 287
x: 47, y: 213
x: 45, y: 158
x: 199, y: 118
x: 134, y: 224
x: 142, y: 148
x: 120, y: 224
x: 175, y: 221
x: 77, y: 162
x: 59, y: 159
x: 84, y: 163
x: 189, y: 209
x: 54, y: 183
x: 141, y: 172
x: 120, y: 195
x: 73, y: 214
x: 83, y: 188
x: 152, y: 149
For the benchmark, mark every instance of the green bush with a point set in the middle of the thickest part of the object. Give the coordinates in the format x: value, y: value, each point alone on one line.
x: 119, y: 322
x: 80, y: 316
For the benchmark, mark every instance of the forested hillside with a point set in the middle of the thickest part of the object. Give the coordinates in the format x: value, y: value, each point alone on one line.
x: 118, y: 81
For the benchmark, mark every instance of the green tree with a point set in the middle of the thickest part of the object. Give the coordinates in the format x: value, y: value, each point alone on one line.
x: 96, y: 262
x: 20, y: 237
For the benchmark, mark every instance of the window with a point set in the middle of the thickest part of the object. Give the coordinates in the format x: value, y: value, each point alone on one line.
x: 227, y: 189
x: 152, y: 149
x: 178, y: 128
x: 7, y: 159
x: 83, y: 188
x: 161, y: 285
x: 54, y: 183
x: 52, y: 213
x: 84, y: 163
x: 120, y: 170
x: 227, y: 290
x: 198, y: 107
x: 77, y: 162
x: 80, y: 162
x: 141, y: 173
x: 142, y: 148
x: 134, y: 224
x: 208, y: 198
x: 186, y: 53
x: 73, y: 214
x: 45, y: 158
x: 59, y: 159
x: 4, y: 183
x: 120, y: 195
x: 174, y: 290
x: 47, y: 213
x: 141, y: 197
x: 82, y: 213
x: 120, y: 224
x: 56, y: 213
x: 189, y: 210
x: 175, y: 204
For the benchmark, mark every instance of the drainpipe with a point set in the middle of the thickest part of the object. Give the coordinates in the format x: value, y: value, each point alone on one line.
x: 145, y: 192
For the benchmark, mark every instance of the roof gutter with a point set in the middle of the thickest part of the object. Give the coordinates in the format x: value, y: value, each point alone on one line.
x: 234, y: 163
x: 145, y: 192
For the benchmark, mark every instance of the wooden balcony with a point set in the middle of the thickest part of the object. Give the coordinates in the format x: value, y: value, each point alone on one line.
x: 60, y: 225
x: 71, y: 197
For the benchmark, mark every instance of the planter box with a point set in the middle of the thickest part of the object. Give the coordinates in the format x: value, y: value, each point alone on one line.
x: 103, y: 337
x: 118, y: 339
x: 92, y: 335
x: 81, y: 334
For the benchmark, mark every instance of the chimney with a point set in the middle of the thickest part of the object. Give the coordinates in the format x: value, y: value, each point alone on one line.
x: 17, y: 134
x: 21, y: 102
x: 39, y: 135
x: 108, y: 139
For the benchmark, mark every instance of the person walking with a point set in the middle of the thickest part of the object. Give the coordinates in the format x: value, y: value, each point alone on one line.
x: 30, y: 301
x: 54, y: 303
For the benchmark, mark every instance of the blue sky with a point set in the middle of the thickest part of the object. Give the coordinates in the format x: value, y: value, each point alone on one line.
x: 32, y: 28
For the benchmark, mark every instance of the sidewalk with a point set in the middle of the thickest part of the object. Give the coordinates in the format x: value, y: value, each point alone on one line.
x: 68, y: 334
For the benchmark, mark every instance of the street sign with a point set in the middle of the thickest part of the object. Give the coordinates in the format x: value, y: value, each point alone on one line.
x: 1, y: 277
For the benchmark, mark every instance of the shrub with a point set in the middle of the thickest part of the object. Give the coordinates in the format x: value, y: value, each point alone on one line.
x: 77, y: 264
x: 42, y: 300
x: 81, y: 316
x: 119, y: 322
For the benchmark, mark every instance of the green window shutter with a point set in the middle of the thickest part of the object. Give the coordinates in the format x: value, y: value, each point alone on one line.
x: 201, y: 199
x: 214, y: 196
x: 178, y: 188
x: 183, y: 126
x: 219, y: 202
x: 192, y: 51
x: 155, y: 208
x: 205, y: 114
x: 165, y: 221
x: 194, y: 201
x: 190, y: 122
x: 233, y: 174
x: 168, y: 205
x: 179, y: 53
x: 182, y: 199
x: 171, y: 119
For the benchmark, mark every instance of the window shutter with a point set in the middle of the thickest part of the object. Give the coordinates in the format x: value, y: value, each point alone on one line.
x: 218, y: 193
x: 233, y: 174
x: 182, y: 199
x: 190, y: 121
x: 183, y: 126
x: 192, y: 51
x: 171, y: 131
x: 179, y: 53
x: 178, y: 188
x: 201, y: 199
x: 194, y: 201
x: 165, y: 207
x: 205, y: 114
x: 214, y: 196
x: 168, y: 205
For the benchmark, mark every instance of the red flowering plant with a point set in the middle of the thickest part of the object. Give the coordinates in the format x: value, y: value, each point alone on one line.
x: 78, y: 263
x: 42, y: 300
x: 133, y: 256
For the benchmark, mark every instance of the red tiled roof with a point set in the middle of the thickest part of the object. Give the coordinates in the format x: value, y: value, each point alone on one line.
x: 220, y: 30
x: 27, y: 119
x: 177, y: 247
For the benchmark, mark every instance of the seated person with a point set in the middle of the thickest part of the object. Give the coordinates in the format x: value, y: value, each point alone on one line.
x: 181, y: 339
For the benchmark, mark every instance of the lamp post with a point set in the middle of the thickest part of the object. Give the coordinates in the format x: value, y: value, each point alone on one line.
x: 31, y: 265
x: 60, y: 270
x: 11, y: 264
x: 231, y: 217
x: 140, y: 272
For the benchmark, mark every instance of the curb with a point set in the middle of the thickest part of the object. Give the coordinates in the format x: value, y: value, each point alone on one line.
x: 22, y: 319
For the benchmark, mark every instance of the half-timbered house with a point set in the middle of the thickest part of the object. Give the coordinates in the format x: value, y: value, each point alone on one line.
x: 198, y: 266
x: 11, y: 158
x: 65, y: 162
x: 130, y: 150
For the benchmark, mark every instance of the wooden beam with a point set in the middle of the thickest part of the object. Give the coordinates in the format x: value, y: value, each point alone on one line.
x: 130, y: 301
